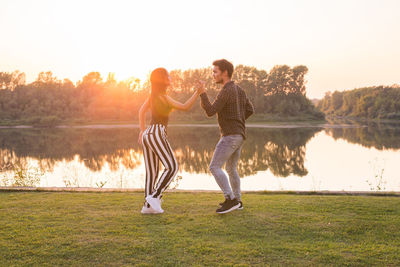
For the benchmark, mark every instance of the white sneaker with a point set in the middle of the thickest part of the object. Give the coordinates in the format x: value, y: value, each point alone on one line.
x: 155, y: 203
x: 149, y: 210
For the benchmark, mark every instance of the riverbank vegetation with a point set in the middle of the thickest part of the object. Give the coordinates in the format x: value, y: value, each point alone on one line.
x: 277, y: 95
x: 368, y: 103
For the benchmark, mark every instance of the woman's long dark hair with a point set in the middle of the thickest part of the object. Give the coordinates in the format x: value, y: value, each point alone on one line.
x: 158, y: 79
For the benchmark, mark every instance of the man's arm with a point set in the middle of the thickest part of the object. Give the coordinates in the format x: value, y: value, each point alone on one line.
x: 219, y: 103
x: 249, y: 109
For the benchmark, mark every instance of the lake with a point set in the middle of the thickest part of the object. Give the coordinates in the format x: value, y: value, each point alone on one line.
x: 330, y: 157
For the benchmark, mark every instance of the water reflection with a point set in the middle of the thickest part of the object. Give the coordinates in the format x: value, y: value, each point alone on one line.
x: 379, y: 136
x: 115, y: 152
x: 94, y: 147
x: 280, y: 150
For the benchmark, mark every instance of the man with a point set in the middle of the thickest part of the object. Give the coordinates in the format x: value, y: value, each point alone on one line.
x: 232, y: 108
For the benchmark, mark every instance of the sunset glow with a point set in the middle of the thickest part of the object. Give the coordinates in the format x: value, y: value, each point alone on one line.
x: 345, y: 44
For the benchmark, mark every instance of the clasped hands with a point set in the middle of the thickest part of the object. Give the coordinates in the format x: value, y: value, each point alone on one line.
x: 200, y: 87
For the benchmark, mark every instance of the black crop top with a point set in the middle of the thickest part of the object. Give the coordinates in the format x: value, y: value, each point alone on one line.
x: 160, y: 110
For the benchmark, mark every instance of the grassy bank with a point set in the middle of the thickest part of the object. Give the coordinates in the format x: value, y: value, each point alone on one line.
x: 257, y: 118
x: 107, y: 229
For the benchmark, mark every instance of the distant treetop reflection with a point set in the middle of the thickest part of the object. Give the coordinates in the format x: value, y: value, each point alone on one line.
x: 379, y: 136
x: 282, y: 151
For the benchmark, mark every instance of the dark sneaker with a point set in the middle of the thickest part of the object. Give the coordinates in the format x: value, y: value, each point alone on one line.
x: 240, y: 202
x: 228, y: 206
x: 222, y: 203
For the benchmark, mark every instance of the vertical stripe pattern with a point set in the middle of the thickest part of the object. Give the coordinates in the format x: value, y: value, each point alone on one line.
x: 156, y: 148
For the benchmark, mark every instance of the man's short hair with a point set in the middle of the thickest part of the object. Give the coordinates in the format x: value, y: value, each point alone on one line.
x: 224, y: 65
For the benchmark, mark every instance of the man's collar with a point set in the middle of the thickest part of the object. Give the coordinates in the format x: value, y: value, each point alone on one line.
x: 228, y: 83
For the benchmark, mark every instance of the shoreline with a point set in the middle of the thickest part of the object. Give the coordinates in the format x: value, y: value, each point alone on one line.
x: 249, y: 125
x: 134, y: 190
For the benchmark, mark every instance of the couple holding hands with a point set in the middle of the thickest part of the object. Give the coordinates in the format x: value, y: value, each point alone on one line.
x: 232, y: 108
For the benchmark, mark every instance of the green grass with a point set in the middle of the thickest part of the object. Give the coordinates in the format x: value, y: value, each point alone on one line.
x: 107, y: 229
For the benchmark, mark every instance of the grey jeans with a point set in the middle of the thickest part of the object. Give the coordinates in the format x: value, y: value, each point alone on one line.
x: 227, y: 150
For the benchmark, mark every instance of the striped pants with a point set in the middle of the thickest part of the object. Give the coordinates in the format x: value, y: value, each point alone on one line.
x: 155, y: 149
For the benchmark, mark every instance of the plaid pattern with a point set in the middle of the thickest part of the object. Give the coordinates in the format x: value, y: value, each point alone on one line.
x: 232, y: 108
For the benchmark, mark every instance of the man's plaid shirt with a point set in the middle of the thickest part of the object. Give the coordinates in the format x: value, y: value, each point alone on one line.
x: 232, y: 108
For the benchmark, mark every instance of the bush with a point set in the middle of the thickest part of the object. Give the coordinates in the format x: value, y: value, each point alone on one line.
x: 49, y: 121
x: 33, y: 120
x: 392, y: 116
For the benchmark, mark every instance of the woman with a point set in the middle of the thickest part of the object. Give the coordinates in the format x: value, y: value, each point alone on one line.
x: 154, y: 139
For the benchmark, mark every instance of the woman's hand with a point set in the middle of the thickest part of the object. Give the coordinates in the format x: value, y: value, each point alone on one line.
x: 190, y: 102
x: 140, y: 137
x: 200, y: 86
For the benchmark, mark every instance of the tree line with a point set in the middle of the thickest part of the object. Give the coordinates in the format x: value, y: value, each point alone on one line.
x: 48, y: 100
x: 377, y: 102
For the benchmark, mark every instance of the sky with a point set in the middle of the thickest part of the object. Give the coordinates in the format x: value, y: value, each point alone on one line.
x: 345, y: 44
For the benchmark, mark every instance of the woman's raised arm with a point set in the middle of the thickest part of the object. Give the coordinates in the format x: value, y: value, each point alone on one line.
x: 187, y: 105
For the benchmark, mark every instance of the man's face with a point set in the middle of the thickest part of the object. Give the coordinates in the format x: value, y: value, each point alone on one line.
x: 217, y: 74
